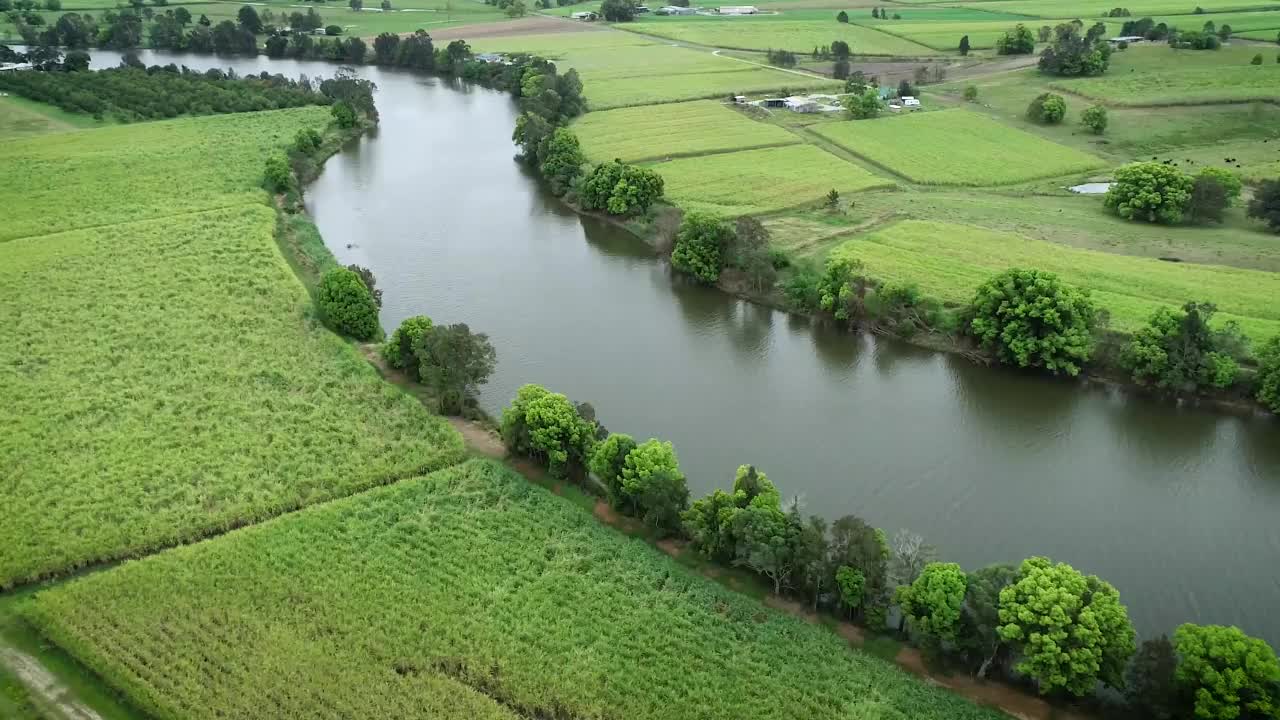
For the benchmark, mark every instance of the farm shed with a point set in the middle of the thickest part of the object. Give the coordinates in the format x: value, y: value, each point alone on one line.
x: 774, y: 102
x: 801, y: 105
x: 676, y: 10
x: 14, y: 67
x: 586, y: 15
x: 1127, y: 39
x: 738, y: 10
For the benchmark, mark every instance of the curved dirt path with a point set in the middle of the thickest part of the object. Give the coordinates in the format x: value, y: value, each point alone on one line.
x: 53, y: 699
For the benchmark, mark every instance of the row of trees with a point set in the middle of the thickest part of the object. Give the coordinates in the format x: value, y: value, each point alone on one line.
x: 1160, y: 192
x: 1045, y: 621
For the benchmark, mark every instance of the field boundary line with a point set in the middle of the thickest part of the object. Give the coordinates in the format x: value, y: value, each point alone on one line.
x: 659, y: 159
x: 52, y: 698
x: 841, y: 151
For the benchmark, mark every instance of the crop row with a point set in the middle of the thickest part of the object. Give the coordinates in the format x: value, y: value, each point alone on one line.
x: 674, y: 129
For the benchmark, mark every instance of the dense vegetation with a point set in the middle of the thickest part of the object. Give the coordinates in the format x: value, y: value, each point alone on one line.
x: 487, y: 597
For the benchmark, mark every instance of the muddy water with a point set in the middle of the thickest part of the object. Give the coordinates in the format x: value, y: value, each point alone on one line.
x: 1179, y: 508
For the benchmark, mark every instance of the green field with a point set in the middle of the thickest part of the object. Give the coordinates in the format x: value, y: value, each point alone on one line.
x: 672, y: 130
x: 1182, y: 86
x: 164, y: 378
x: 956, y: 147
x: 622, y: 69
x: 949, y: 262
x: 763, y: 33
x: 466, y: 594
x: 1242, y: 21
x: 20, y: 117
x: 758, y: 181
x: 1098, y: 8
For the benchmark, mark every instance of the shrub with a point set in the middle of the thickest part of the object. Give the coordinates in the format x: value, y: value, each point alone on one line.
x: 802, y: 288
x: 1208, y: 199
x: 1257, y: 59
x: 971, y: 93
x: 1095, y: 118
x: 1047, y: 109
x: 344, y: 115
x: 654, y: 486
x: 1030, y: 318
x: 1018, y: 41
x: 1269, y: 375
x: 865, y: 106
x: 1230, y: 182
x: 346, y: 305
x: 398, y: 350
x: 1179, y: 352
x: 366, y: 276
x: 1150, y: 191
x: 620, y: 189
x: 607, y: 461
x: 277, y: 177
x: 454, y: 362
x: 842, y: 16
x: 545, y: 425
x: 700, y: 246
x: 307, y: 140
x: 1265, y: 204
x: 332, y: 30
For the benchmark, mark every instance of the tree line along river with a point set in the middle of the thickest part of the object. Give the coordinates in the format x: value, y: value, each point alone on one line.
x: 1178, y: 508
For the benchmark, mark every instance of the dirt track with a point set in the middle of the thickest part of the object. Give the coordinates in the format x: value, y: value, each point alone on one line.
x: 532, y: 25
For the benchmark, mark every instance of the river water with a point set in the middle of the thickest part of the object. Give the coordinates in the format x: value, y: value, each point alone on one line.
x: 1179, y: 508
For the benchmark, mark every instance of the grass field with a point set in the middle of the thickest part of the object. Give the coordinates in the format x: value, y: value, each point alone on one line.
x: 1182, y: 86
x: 950, y: 261
x: 1264, y: 35
x: 466, y: 594
x: 956, y: 147
x: 168, y: 167
x: 621, y: 69
x: 163, y: 376
x: 20, y: 117
x: 1099, y: 8
x: 692, y: 128
x: 1239, y: 22
x: 757, y: 181
x: 764, y: 33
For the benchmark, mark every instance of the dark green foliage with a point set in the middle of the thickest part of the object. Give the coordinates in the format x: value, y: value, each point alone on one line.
x: 1225, y: 673
x: 840, y: 50
x: 901, y: 309
x: 865, y: 106
x: 332, y: 30
x: 1047, y: 109
x: 1150, y: 191
x: 1194, y: 40
x: 710, y: 521
x: 249, y: 20
x: 905, y: 89
x: 1257, y: 59
x: 1095, y: 118
x: 1031, y: 319
x: 971, y: 93
x: 277, y: 177
x: 129, y: 93
x: 346, y: 306
x: 344, y: 115
x: 454, y: 362
x: 1208, y: 200
x: 843, y: 288
x: 842, y: 16
x: 964, y: 45
x: 562, y: 160
x: 607, y: 461
x: 1178, y: 351
x: 1149, y: 682
x: 781, y: 58
x: 76, y: 61
x: 1269, y: 375
x: 700, y: 246
x: 618, y: 10
x: 1075, y: 54
x: 857, y: 545
x: 620, y: 189
x: 1018, y: 41
x: 1265, y: 204
x: 547, y: 427
x: 398, y: 350
x: 366, y: 276
x: 979, y: 640
x: 750, y: 253
x: 306, y: 141
x: 801, y: 288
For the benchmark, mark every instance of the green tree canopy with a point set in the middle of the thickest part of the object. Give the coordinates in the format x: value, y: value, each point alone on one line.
x: 843, y: 287
x: 1265, y: 204
x: 1150, y: 191
x: 1018, y: 41
x: 1047, y: 109
x: 865, y: 106
x: 1070, y: 629
x: 1178, y: 350
x: 545, y: 425
x: 654, y: 485
x: 607, y: 461
x: 346, y: 305
x: 1095, y: 118
x: 454, y: 362
x: 979, y: 636
x: 1269, y: 375
x: 398, y: 349
x: 562, y: 159
x: 700, y: 246
x: 1227, y: 673
x: 934, y: 601
x: 1030, y: 318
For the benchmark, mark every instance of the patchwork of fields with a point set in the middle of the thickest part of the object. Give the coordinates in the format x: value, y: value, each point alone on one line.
x: 1182, y: 86
x: 798, y: 36
x: 672, y: 130
x: 956, y: 147
x: 163, y: 377
x: 756, y: 181
x: 469, y: 593
x: 950, y: 261
x: 1099, y: 8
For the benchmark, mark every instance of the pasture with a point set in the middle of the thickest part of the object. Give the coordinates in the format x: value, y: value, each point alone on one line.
x: 764, y: 33
x: 672, y: 130
x: 1181, y: 86
x: 758, y: 181
x: 1057, y: 9
x: 469, y: 593
x: 163, y: 376
x: 20, y: 117
x: 620, y: 69
x: 949, y: 261
x: 956, y: 147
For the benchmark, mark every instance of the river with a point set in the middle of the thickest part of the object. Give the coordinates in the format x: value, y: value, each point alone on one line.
x: 1177, y: 507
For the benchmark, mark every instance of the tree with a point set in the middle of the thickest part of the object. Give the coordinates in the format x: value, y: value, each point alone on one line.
x: 516, y: 9
x: 1074, y: 54
x: 654, y: 486
x: 454, y: 362
x: 1070, y: 629
x: 1178, y: 351
x: 1257, y: 59
x: 840, y: 50
x: 1269, y: 375
x: 971, y: 93
x: 766, y: 540
x: 385, y: 47
x: 700, y: 246
x: 204, y: 20
x: 857, y: 545
x: 546, y: 426
x: 344, y: 115
x: 979, y: 635
x: 1231, y: 183
x: 249, y: 20
x: 905, y: 89
x: 618, y: 10
x: 1047, y: 109
x: 933, y: 602
x: 1149, y: 682
x: 1030, y: 318
x: 76, y: 61
x: 1224, y: 32
x: 750, y: 252
x: 607, y: 461
x: 908, y: 556
x: 710, y: 520
x: 842, y: 287
x: 1018, y: 41
x: 852, y: 585
x: 386, y: 5
x: 1265, y: 204
x: 842, y: 17
x: 277, y: 176
x: 620, y: 189
x: 813, y: 558
x: 1095, y: 118
x: 1045, y: 33
x: 182, y: 15
x: 346, y: 305
x: 1208, y: 199
x: 1150, y: 191
x: 1227, y: 673
x: 865, y: 106
x: 398, y: 350
x: 964, y: 45
x: 332, y: 30
x: 562, y: 160
x: 356, y: 5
